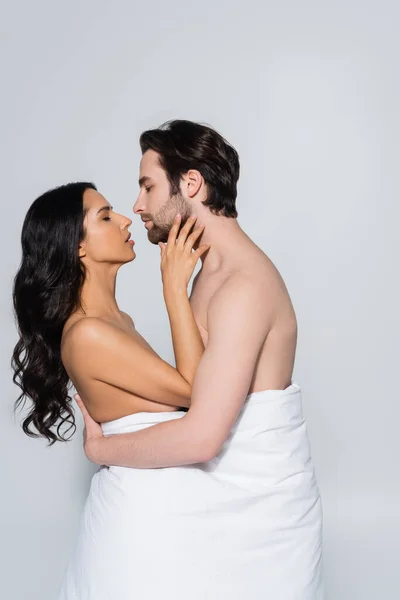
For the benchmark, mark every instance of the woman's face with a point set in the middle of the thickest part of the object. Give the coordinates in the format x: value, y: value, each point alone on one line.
x: 107, y: 239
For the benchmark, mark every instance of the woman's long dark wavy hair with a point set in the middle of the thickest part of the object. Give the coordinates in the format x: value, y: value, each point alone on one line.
x: 46, y: 291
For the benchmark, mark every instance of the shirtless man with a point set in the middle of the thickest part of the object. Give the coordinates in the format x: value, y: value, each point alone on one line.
x: 240, y: 302
x: 244, y: 522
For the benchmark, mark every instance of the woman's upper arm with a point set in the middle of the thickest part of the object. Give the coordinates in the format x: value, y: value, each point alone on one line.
x: 114, y: 357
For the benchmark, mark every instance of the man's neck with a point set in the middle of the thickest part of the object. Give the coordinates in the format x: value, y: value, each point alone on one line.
x: 226, y: 239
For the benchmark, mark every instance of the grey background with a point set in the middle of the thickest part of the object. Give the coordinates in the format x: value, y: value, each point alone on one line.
x: 308, y: 92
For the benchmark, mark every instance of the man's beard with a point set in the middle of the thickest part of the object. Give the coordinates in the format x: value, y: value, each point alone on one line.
x: 163, y: 220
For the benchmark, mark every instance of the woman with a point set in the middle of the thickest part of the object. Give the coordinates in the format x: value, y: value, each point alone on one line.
x: 73, y: 245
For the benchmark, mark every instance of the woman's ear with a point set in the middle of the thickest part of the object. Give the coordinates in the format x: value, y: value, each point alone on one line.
x: 192, y: 182
x: 82, y: 250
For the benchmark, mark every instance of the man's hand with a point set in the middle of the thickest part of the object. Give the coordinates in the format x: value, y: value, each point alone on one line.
x: 92, y: 433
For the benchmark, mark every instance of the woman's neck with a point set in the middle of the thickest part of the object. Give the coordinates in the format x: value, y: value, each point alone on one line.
x: 98, y: 292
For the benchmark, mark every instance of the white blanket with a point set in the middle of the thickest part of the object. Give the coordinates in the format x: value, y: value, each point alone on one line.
x: 246, y: 526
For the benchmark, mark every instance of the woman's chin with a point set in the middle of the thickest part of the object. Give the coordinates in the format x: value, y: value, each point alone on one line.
x: 124, y: 260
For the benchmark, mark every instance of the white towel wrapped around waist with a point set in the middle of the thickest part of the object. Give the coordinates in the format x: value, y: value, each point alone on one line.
x: 245, y: 526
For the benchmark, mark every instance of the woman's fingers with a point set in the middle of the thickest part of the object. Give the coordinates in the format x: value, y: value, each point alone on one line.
x: 200, y: 251
x: 183, y: 244
x: 184, y: 232
x: 193, y: 237
x: 162, y: 248
x: 173, y: 232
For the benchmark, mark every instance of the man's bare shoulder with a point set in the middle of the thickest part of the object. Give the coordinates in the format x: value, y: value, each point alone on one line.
x: 253, y: 276
x: 254, y: 283
x: 239, y: 288
x: 240, y: 308
x: 264, y: 274
x: 268, y: 282
x: 260, y: 266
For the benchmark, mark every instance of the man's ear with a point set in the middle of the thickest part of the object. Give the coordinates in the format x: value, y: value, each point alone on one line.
x: 192, y: 182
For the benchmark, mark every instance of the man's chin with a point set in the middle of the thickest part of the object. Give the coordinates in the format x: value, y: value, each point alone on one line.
x: 155, y: 237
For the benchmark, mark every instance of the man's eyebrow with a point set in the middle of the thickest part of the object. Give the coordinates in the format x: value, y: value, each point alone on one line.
x: 143, y: 180
x: 104, y: 208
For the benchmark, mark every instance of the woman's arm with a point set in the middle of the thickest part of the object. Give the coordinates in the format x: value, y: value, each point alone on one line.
x: 97, y: 353
x: 177, y: 264
x: 112, y: 356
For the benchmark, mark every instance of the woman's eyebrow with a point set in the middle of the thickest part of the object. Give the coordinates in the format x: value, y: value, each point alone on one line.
x: 104, y: 208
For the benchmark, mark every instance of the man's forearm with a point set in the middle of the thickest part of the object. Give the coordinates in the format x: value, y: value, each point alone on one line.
x: 169, y: 444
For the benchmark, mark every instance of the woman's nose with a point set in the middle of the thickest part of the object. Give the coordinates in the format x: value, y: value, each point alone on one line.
x: 125, y: 222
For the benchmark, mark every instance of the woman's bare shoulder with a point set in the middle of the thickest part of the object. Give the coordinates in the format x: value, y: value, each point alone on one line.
x: 80, y: 327
x: 92, y: 333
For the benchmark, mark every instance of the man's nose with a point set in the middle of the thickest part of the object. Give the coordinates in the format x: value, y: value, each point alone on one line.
x: 139, y: 206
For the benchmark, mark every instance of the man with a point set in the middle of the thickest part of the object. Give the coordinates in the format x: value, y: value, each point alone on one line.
x: 248, y: 326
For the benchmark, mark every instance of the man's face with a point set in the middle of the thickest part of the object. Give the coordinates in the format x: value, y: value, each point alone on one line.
x: 155, y: 204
